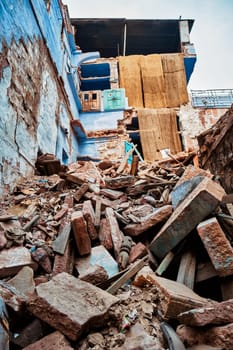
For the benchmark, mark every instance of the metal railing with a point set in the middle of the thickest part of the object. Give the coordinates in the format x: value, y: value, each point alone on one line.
x: 218, y: 98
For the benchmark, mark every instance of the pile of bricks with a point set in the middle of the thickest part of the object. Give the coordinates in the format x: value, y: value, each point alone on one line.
x: 69, y: 241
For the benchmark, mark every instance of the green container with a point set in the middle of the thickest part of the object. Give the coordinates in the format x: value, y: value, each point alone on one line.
x: 114, y: 99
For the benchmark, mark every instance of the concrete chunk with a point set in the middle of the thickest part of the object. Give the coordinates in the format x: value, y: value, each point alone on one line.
x: 217, y: 245
x: 70, y: 305
x: 196, y: 206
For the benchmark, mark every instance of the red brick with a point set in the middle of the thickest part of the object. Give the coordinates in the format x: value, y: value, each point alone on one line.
x: 81, y: 236
x: 89, y: 215
x: 137, y: 251
x: 195, y: 207
x: 115, y: 231
x: 217, y: 245
x: 70, y: 305
x: 105, y: 234
x: 53, y: 341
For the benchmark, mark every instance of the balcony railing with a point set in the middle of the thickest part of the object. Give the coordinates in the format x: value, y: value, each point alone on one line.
x: 218, y: 98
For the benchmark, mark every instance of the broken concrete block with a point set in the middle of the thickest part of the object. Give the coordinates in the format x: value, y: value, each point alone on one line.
x: 116, y: 234
x: 81, y: 236
x: 149, y: 221
x: 12, y: 260
x: 53, y: 341
x: 89, y: 216
x: 137, y: 251
x: 220, y: 313
x: 217, y: 245
x: 173, y: 296
x: 23, y: 282
x: 221, y: 336
x: 70, y: 305
x: 99, y: 256
x: 201, y: 202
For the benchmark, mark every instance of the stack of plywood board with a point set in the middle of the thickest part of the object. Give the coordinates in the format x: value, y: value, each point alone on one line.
x: 154, y: 81
x: 130, y: 79
x: 175, y: 79
x: 158, y: 132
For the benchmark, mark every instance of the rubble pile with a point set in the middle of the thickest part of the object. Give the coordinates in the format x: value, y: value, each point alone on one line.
x: 103, y: 255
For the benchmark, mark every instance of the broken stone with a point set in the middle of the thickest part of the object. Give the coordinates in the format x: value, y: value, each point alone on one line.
x: 111, y: 194
x: 89, y: 216
x: 221, y: 336
x: 195, y: 207
x: 191, y: 177
x: 173, y: 296
x: 23, y: 282
x: 220, y: 313
x: 149, y: 221
x: 53, y: 341
x: 40, y: 255
x: 99, y: 256
x: 217, y: 245
x: 94, y: 274
x: 96, y: 339
x: 12, y: 260
x: 70, y: 305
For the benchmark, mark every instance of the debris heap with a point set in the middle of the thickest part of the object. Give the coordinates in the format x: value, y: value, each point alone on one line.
x: 101, y: 255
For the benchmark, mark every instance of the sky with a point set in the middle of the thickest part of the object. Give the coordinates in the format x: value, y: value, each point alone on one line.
x: 211, y: 33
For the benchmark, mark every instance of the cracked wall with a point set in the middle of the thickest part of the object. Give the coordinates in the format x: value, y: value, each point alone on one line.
x: 33, y: 109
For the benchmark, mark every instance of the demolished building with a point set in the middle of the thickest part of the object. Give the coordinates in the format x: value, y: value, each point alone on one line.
x: 101, y: 182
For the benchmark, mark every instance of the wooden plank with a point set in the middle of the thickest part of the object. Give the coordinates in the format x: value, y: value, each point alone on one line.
x: 164, y: 263
x: 130, y: 79
x: 153, y: 81
x: 97, y: 212
x: 126, y: 276
x: 158, y: 132
x: 187, y: 268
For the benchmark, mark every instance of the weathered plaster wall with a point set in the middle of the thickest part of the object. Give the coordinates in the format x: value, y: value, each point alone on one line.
x: 194, y: 121
x: 35, y: 106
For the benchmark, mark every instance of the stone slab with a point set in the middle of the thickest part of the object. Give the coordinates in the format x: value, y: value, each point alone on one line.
x: 53, y: 341
x: 12, y: 260
x: 201, y: 202
x: 70, y: 305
